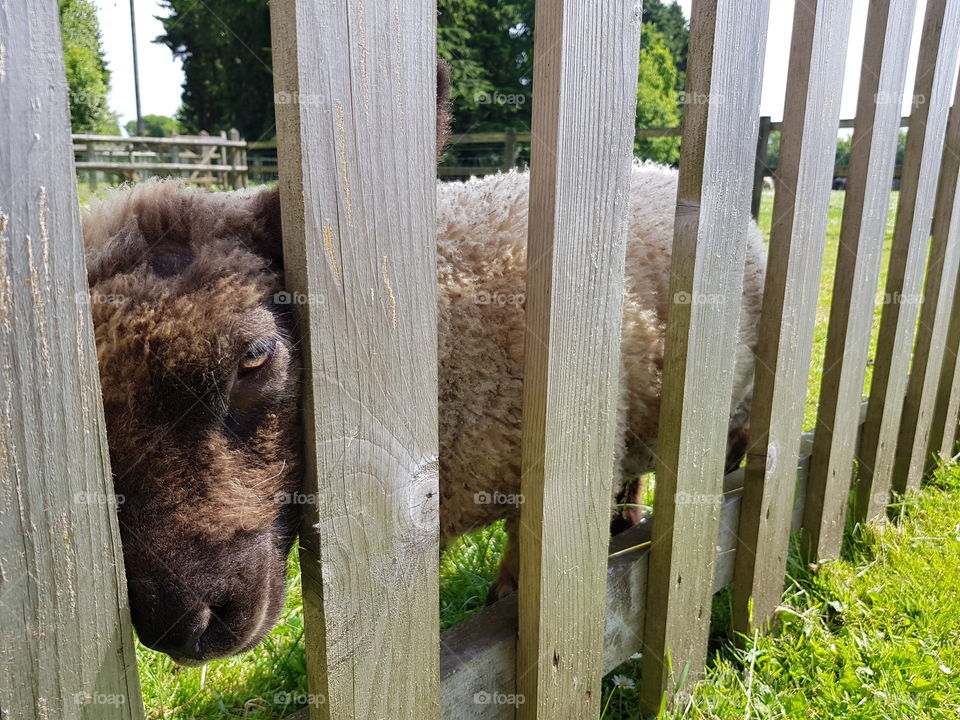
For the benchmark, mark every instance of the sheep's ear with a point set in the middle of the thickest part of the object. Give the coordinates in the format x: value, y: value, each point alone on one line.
x: 444, y: 117
x: 266, y: 237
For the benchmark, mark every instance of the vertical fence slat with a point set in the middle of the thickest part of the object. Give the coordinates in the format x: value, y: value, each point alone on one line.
x: 356, y: 138
x: 727, y: 42
x: 585, y: 69
x: 66, y: 647
x: 912, y: 455
x: 921, y: 166
x: 760, y: 166
x: 866, y: 207
x: 785, y: 339
x: 947, y: 406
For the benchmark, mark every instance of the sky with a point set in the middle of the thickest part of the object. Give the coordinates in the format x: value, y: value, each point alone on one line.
x: 161, y: 75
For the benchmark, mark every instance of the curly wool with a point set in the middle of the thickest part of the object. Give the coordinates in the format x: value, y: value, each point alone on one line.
x: 482, y: 233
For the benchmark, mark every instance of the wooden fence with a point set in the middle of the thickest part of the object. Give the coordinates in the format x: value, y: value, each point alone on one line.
x: 358, y: 191
x: 199, y: 159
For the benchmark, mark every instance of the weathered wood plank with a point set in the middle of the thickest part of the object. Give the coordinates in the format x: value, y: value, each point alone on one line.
x: 913, y: 441
x: 727, y: 41
x: 947, y: 408
x: 357, y: 154
x: 585, y: 69
x: 785, y: 340
x: 760, y: 168
x: 921, y: 166
x: 66, y: 647
x: 478, y: 657
x: 865, y: 210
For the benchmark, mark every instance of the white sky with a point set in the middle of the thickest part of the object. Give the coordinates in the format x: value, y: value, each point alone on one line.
x: 161, y: 75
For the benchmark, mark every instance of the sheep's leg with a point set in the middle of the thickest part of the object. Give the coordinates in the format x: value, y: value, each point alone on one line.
x: 509, y: 576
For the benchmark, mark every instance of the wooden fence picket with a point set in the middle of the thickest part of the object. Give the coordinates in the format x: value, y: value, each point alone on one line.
x: 865, y: 211
x: 66, y: 647
x: 727, y: 43
x: 585, y: 96
x: 946, y: 409
x: 921, y: 166
x: 357, y: 183
x: 785, y: 335
x: 913, y: 453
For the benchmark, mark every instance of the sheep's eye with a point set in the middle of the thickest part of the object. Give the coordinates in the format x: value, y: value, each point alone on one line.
x: 257, y: 356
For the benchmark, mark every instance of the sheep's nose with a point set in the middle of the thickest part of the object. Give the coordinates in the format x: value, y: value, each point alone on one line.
x: 180, y: 638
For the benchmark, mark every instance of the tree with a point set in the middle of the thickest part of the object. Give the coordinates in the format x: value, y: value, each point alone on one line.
x: 489, y: 47
x: 155, y: 126
x: 225, y: 48
x: 657, y: 103
x: 671, y: 32
x: 88, y: 79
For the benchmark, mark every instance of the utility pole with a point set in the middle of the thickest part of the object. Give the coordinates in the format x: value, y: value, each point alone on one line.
x: 136, y: 69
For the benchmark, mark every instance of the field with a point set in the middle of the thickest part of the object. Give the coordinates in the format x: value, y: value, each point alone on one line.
x: 873, y: 635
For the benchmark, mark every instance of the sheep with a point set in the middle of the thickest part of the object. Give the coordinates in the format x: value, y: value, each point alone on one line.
x: 200, y: 381
x: 482, y: 227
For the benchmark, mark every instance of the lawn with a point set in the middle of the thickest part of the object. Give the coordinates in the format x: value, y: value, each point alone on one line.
x: 873, y: 635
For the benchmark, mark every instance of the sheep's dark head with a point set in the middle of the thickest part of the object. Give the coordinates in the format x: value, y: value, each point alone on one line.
x: 200, y: 385
x: 200, y: 389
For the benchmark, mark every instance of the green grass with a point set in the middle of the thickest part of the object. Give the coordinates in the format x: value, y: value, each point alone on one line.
x: 875, y: 634
x: 862, y: 638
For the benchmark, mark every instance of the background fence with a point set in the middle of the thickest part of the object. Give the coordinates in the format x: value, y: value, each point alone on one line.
x: 199, y: 159
x: 357, y: 183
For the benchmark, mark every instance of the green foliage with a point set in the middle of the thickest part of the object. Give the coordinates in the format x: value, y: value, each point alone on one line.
x: 88, y: 80
x: 657, y: 104
x: 155, y: 126
x: 667, y: 19
x: 226, y: 61
x: 489, y: 48
x: 225, y: 49
x: 845, y: 144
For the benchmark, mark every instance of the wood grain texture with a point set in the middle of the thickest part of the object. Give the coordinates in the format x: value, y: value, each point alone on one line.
x: 865, y: 211
x: 785, y: 338
x: 943, y: 432
x: 66, y: 647
x: 356, y: 137
x: 921, y: 428
x: 911, y: 234
x: 727, y: 42
x: 585, y: 69
x: 478, y: 656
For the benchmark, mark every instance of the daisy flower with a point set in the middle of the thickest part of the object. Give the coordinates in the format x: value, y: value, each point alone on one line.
x: 623, y: 682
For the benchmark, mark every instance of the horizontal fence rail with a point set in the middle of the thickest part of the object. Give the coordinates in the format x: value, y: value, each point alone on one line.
x: 256, y: 161
x: 198, y: 159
